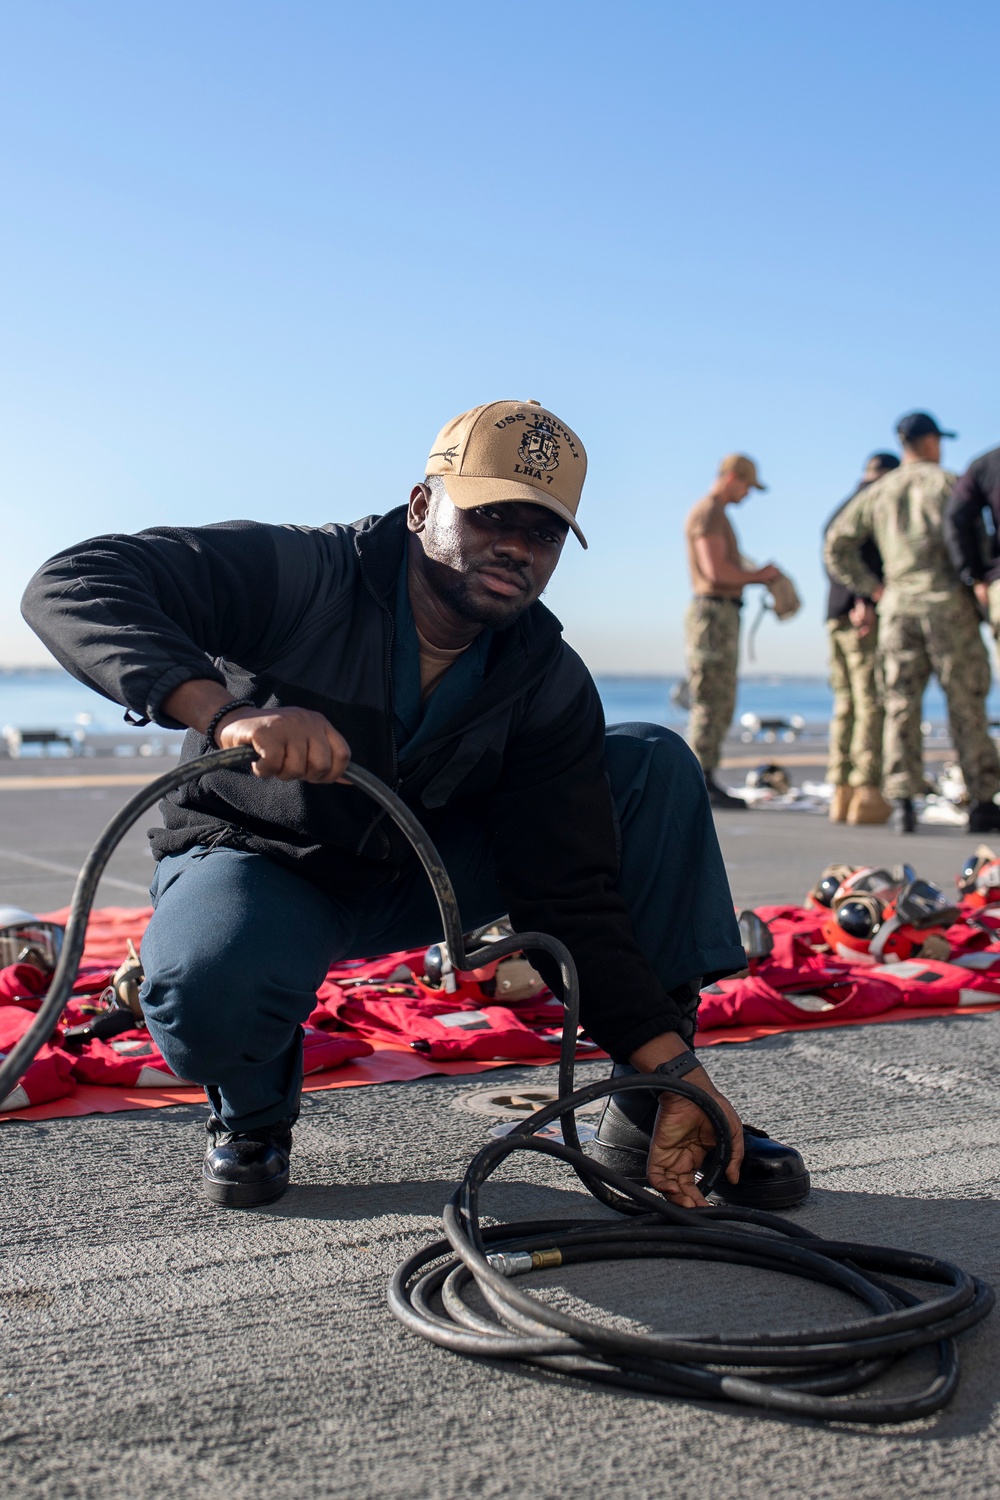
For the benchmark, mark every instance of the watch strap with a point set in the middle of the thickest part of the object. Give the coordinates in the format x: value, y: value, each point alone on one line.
x: 677, y: 1066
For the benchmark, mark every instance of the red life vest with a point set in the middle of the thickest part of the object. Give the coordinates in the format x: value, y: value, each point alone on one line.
x: 441, y: 1025
x: 931, y: 982
x: 387, y: 999
x: 754, y: 1001
x: 49, y: 1075
x: 21, y: 983
x: 133, y: 1060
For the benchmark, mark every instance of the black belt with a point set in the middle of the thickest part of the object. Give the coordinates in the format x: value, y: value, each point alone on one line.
x: 721, y: 599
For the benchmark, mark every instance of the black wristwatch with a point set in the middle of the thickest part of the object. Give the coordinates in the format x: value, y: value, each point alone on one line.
x: 677, y: 1066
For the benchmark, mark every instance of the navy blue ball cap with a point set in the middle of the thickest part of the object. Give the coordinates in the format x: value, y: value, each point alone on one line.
x: 918, y: 424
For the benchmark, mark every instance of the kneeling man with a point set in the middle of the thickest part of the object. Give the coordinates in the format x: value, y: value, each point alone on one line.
x: 414, y: 641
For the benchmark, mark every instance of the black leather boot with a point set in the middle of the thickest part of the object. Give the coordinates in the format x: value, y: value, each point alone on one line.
x: 772, y: 1175
x: 984, y: 817
x: 719, y: 797
x: 244, y: 1168
x: 903, y: 818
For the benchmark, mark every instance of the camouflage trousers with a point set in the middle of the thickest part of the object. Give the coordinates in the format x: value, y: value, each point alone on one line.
x: 856, y: 725
x: 994, y: 611
x: 712, y: 646
x: 947, y: 642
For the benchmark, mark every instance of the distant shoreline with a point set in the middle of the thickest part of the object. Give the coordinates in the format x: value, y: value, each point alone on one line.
x: 56, y: 671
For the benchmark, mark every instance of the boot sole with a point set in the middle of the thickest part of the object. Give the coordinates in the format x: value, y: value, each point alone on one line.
x: 244, y: 1194
x: 777, y: 1195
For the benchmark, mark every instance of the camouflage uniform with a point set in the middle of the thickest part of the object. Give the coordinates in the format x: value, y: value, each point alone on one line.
x: 994, y: 612
x: 712, y: 642
x: 856, y: 725
x: 928, y: 622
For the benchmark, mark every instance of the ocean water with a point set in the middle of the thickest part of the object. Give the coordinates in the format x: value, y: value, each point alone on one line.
x: 54, y: 700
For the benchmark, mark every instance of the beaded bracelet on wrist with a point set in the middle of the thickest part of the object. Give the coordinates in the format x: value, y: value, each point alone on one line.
x: 217, y: 718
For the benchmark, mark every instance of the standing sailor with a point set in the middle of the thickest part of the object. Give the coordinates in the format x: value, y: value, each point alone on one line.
x: 712, y: 623
x: 855, y: 757
x: 928, y: 622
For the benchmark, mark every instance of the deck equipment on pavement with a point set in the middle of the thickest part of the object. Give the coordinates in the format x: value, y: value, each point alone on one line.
x: 826, y: 1374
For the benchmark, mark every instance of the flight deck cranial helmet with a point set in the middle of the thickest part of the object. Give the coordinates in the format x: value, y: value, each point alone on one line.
x: 978, y: 880
x: 988, y: 881
x: 774, y: 778
x: 869, y: 879
x: 507, y: 980
x: 25, y: 939
x: 915, y: 923
x: 891, y: 923
x: 968, y: 876
x: 851, y: 925
x: 838, y: 881
x: 828, y: 885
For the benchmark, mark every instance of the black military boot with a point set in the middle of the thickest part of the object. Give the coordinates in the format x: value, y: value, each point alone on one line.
x: 984, y: 817
x: 772, y: 1176
x: 903, y: 818
x: 244, y: 1168
x: 719, y: 797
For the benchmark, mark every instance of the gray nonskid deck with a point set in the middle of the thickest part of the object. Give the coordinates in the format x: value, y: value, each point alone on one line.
x: 154, y: 1346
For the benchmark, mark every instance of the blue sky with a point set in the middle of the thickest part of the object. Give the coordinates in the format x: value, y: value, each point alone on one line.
x: 255, y: 254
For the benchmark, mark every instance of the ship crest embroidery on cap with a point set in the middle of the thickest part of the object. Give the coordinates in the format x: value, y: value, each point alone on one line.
x: 448, y: 455
x: 539, y: 448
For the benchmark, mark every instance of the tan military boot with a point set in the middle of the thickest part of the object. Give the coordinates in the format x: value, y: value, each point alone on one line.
x: 840, y: 802
x: 868, y: 806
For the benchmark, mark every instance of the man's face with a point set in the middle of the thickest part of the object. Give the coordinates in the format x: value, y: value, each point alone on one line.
x: 487, y: 564
x: 924, y: 449
x: 735, y: 489
x: 873, y: 471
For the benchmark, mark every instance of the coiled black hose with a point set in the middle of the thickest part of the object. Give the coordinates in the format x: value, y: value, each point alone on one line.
x: 823, y: 1374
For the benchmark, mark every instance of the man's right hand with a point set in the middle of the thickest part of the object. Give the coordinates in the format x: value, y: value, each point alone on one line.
x: 292, y: 744
x: 767, y: 574
x: 863, y: 617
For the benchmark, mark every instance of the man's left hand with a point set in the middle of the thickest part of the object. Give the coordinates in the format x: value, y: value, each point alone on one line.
x: 682, y: 1138
x: 683, y: 1134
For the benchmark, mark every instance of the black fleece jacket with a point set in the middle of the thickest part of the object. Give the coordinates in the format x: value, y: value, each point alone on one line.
x: 302, y: 616
x: 974, y: 551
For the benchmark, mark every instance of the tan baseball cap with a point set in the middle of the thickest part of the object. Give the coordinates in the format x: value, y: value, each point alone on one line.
x: 743, y: 468
x: 511, y: 450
